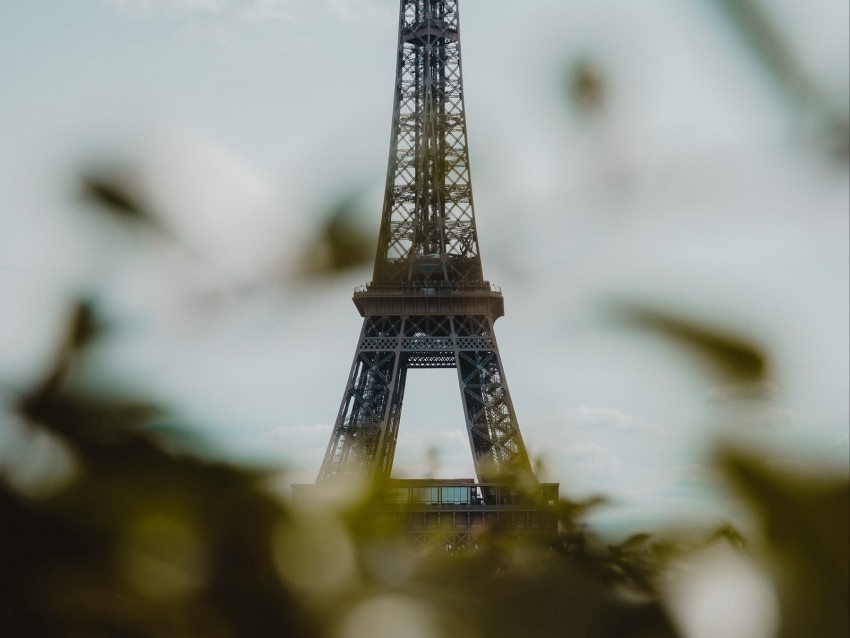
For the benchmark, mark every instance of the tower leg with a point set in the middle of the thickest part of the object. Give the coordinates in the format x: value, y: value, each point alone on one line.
x: 494, y: 436
x: 364, y: 436
x: 366, y: 429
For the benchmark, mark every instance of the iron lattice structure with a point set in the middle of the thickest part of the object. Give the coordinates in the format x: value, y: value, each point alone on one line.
x: 428, y: 305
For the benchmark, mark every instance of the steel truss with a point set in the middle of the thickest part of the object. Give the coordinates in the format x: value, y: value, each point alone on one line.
x: 428, y: 226
x: 428, y: 305
x: 367, y: 425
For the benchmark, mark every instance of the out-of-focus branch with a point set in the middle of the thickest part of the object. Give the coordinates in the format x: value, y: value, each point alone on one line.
x: 759, y: 32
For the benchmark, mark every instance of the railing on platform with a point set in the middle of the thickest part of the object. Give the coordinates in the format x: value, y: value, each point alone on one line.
x: 430, y: 288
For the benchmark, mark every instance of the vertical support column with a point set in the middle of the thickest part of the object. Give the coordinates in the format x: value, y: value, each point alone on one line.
x: 363, y: 439
x: 392, y: 417
x: 494, y: 436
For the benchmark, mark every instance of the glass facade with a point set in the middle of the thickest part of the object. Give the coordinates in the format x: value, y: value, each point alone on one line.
x: 454, y: 494
x: 452, y: 513
x: 431, y: 495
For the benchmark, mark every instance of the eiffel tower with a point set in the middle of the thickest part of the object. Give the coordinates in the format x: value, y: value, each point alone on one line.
x: 428, y: 304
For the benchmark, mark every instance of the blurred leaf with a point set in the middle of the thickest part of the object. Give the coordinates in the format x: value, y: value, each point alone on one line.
x: 586, y: 87
x: 111, y: 195
x: 545, y: 596
x: 115, y: 193
x: 752, y: 21
x: 807, y: 521
x: 573, y: 511
x: 730, y: 534
x: 344, y: 242
x: 145, y: 539
x: 140, y: 520
x: 633, y: 542
x: 735, y: 358
x: 84, y: 327
x: 91, y: 422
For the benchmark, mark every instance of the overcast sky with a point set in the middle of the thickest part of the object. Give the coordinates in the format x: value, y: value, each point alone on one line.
x: 700, y: 188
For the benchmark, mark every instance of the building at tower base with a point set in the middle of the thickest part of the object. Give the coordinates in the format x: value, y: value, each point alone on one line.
x: 456, y: 514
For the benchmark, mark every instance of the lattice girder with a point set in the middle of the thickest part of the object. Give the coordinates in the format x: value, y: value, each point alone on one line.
x: 428, y: 222
x: 366, y: 430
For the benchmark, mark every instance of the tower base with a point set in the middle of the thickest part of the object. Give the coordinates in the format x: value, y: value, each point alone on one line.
x: 454, y: 514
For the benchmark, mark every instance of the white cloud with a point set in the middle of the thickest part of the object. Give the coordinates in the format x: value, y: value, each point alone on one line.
x: 298, y: 431
x: 203, y: 5
x: 301, y: 442
x: 689, y: 481
x: 581, y: 449
x: 297, y: 10
x: 595, y: 450
x: 225, y: 210
x: 255, y: 10
x: 583, y: 467
x: 262, y: 10
x: 452, y: 436
x: 132, y: 7
x: 148, y: 7
x: 610, y: 419
x: 773, y: 417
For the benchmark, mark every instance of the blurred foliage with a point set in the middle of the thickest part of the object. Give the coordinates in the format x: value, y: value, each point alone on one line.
x: 343, y: 242
x: 587, y: 87
x: 115, y: 193
x: 145, y: 538
x: 755, y: 25
x: 139, y: 539
x: 142, y: 536
x: 736, y: 359
x: 805, y: 518
x: 807, y: 521
x: 112, y: 524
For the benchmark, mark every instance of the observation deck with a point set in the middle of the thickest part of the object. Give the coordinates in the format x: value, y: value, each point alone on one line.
x: 429, y: 31
x: 429, y: 298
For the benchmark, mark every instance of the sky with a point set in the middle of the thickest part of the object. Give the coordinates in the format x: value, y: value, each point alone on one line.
x: 701, y: 188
